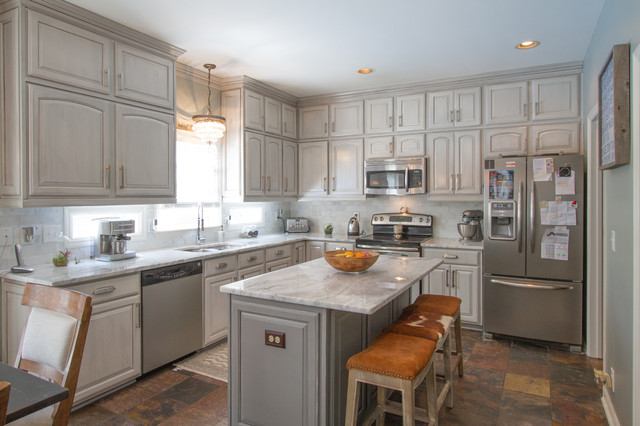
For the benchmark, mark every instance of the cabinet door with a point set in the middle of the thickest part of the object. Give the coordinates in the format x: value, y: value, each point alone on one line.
x: 439, y: 280
x: 289, y: 121
x: 506, y: 103
x: 144, y: 77
x: 378, y: 115
x: 70, y: 144
x: 13, y: 320
x: 299, y: 255
x: 440, y: 109
x: 346, y: 167
x: 112, y: 354
x: 506, y: 141
x: 216, y: 307
x: 145, y: 152
x: 467, y: 107
x: 346, y: 119
x: 253, y: 271
x: 409, y: 146
x: 410, y: 113
x: 272, y: 116
x: 314, y: 169
x: 289, y: 169
x: 441, y: 165
x: 62, y: 52
x: 232, y: 148
x: 467, y: 152
x: 314, y: 250
x: 314, y: 122
x: 378, y: 147
x: 253, y: 110
x: 465, y: 284
x: 254, y: 172
x: 277, y: 265
x: 273, y: 166
x: 10, y: 128
x: 555, y: 139
x: 556, y: 97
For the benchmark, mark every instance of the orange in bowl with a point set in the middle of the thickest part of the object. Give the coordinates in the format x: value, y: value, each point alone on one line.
x: 351, y: 260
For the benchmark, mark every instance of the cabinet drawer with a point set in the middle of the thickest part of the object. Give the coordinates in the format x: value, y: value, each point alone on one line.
x: 250, y: 272
x: 220, y: 265
x: 453, y: 257
x: 250, y: 258
x: 114, y: 288
x: 280, y: 252
x: 339, y: 246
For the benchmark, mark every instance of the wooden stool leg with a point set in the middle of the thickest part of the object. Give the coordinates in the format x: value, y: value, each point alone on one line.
x: 432, y: 404
x: 382, y: 400
x: 459, y: 356
x: 448, y: 374
x: 353, y: 393
x: 408, y: 402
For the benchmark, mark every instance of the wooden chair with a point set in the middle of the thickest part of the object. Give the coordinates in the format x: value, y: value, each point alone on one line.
x: 5, y: 388
x: 52, y: 344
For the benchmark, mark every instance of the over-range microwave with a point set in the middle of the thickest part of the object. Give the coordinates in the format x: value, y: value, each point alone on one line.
x: 395, y: 176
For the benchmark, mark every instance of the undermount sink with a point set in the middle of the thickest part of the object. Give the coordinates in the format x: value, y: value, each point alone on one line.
x: 210, y: 247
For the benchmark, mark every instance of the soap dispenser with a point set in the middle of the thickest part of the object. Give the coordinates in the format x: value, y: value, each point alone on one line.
x: 353, y: 229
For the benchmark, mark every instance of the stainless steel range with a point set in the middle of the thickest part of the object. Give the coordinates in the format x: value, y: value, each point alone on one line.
x: 398, y: 234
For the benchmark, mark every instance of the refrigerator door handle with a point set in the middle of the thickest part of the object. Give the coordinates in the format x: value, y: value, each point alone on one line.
x: 532, y: 216
x: 519, y: 223
x: 533, y: 286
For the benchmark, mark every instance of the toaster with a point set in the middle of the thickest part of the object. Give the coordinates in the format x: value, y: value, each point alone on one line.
x: 297, y: 224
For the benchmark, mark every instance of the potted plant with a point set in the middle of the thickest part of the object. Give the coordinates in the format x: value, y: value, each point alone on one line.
x: 62, y: 258
x: 328, y: 229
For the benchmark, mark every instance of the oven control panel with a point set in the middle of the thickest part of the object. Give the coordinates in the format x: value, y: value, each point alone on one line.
x: 411, y: 219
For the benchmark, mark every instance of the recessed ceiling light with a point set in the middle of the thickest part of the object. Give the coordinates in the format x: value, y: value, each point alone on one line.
x: 529, y: 44
x: 365, y: 70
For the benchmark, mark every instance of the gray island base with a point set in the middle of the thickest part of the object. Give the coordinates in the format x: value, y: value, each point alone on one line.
x: 292, y: 331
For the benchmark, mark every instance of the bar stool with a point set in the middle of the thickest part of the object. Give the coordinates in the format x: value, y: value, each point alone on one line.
x: 397, y: 362
x: 434, y: 327
x: 445, y: 305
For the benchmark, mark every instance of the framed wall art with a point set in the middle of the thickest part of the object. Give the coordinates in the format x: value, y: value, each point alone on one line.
x: 615, y: 120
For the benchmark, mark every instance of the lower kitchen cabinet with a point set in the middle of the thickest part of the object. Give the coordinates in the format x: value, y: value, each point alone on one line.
x: 299, y: 255
x: 459, y: 275
x: 216, y: 307
x: 314, y: 250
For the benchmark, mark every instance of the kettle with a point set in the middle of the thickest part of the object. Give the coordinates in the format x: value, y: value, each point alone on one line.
x: 353, y: 229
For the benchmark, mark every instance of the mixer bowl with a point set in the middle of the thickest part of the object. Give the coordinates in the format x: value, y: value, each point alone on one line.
x: 467, y: 230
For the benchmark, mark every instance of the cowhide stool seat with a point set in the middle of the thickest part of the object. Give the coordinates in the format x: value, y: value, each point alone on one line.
x: 445, y: 305
x: 434, y: 327
x: 397, y: 362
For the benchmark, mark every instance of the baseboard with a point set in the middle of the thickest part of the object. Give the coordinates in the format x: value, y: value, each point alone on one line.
x: 609, y: 410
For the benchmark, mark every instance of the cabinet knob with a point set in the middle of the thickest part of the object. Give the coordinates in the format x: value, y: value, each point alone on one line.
x: 279, y: 252
x: 252, y: 259
x: 450, y: 256
x: 221, y: 265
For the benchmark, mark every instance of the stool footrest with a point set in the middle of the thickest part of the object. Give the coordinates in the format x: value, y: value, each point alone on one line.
x: 394, y: 407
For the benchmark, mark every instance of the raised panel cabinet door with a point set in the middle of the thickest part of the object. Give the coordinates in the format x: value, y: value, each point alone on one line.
x: 253, y: 110
x: 272, y: 116
x: 439, y: 280
x: 289, y: 121
x: 409, y: 146
x: 112, y: 354
x: 378, y: 147
x: 465, y: 282
x: 314, y: 122
x: 145, y: 152
x: 467, y: 152
x: 410, y: 113
x: 314, y: 250
x: 273, y: 166
x: 299, y: 253
x: 346, y: 167
x: 144, y: 77
x: 506, y: 103
x: 555, y: 97
x: 555, y: 139
x: 441, y: 165
x: 62, y: 52
x: 232, y: 159
x: 289, y: 169
x: 216, y: 308
x: 313, y: 166
x: 467, y: 107
x: 504, y: 141
x: 254, y: 168
x: 13, y: 320
x: 10, y: 129
x: 346, y: 118
x: 378, y: 115
x: 70, y: 144
x: 440, y: 109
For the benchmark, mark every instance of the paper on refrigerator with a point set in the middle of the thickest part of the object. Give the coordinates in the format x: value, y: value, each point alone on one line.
x: 555, y: 244
x: 542, y: 169
x: 558, y: 213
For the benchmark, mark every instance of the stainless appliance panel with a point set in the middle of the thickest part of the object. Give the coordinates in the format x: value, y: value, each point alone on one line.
x: 395, y: 176
x: 534, y: 309
x: 540, y: 192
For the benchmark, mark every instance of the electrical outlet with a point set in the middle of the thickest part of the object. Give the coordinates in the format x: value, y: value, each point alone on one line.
x: 30, y: 234
x: 613, y: 380
x: 50, y: 233
x: 275, y: 339
x: 6, y: 236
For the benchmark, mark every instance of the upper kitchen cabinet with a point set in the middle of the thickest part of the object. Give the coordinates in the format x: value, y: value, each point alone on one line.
x: 289, y: 122
x: 555, y: 98
x: 555, y: 139
x: 505, y: 141
x: 410, y: 113
x: 314, y: 122
x: 264, y: 166
x: 455, y: 163
x: 268, y: 115
x: 253, y: 111
x: 272, y: 116
x: 378, y: 115
x: 506, y: 103
x: 453, y: 108
x: 346, y: 118
x: 289, y: 168
x: 399, y: 146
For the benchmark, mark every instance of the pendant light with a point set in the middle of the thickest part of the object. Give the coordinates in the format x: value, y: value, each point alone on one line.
x: 209, y: 128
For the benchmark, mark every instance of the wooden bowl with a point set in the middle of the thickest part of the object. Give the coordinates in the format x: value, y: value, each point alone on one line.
x: 350, y: 264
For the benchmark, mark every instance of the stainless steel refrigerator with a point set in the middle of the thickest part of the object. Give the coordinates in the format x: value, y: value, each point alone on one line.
x: 533, y: 247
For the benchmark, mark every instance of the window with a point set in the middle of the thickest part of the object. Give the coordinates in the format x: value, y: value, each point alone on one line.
x: 81, y: 223
x: 245, y: 216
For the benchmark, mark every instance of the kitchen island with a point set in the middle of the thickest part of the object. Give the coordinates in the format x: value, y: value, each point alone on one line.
x: 292, y: 331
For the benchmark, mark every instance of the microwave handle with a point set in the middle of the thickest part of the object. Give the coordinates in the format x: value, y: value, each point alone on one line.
x: 406, y: 178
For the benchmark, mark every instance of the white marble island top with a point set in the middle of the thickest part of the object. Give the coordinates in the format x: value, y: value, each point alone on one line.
x: 318, y: 284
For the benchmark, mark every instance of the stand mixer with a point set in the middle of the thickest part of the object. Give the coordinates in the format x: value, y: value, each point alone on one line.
x: 470, y: 229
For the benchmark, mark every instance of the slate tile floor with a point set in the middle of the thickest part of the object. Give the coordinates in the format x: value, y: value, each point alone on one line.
x: 505, y: 383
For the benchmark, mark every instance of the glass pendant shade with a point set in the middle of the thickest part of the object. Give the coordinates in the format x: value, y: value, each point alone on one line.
x: 209, y: 128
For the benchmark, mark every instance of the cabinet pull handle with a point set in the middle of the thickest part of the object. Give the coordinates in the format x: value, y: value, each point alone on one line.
x: 269, y: 183
x: 333, y: 127
x: 453, y: 279
x: 451, y: 116
x: 138, y: 315
x: 457, y: 115
x: 390, y: 147
x: 325, y: 128
x: 324, y: 184
x: 525, y: 109
x: 121, y: 177
x: 286, y: 184
x: 105, y: 78
x: 252, y: 259
x: 334, y: 183
x: 108, y: 176
x: 279, y: 252
x: 121, y: 79
x: 104, y: 290
x: 400, y: 121
x: 458, y: 181
x: 221, y: 265
x: 390, y: 121
x: 446, y: 278
x: 537, y: 109
x: 449, y: 256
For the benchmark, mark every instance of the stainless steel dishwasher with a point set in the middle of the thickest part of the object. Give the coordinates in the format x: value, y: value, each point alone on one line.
x: 171, y: 313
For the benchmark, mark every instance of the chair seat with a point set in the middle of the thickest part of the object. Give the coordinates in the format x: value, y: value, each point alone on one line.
x: 445, y: 305
x: 394, y: 355
x: 426, y: 325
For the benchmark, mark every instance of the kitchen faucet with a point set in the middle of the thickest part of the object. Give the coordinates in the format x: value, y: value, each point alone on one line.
x: 200, y: 222
x: 284, y: 224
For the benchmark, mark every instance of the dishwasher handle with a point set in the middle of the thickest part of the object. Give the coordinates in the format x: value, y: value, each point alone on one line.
x: 168, y: 273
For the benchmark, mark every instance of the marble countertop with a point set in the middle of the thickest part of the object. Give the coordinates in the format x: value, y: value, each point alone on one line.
x: 318, y: 284
x: 452, y: 243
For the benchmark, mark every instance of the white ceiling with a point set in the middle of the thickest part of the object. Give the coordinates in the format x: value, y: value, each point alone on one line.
x: 307, y: 48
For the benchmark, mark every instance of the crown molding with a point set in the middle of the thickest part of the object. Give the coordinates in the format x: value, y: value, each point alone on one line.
x: 243, y: 81
x: 198, y: 76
